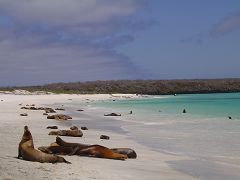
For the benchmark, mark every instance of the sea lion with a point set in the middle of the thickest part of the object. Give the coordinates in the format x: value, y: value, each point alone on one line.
x: 131, y: 154
x: 100, y: 152
x: 52, y: 127
x: 74, y: 132
x: 60, y: 150
x: 61, y: 142
x: 84, y: 128
x: 59, y: 117
x: 27, y: 151
x: 92, y: 150
x: 112, y: 114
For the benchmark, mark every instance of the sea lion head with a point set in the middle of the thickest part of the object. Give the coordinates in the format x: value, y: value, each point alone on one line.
x: 27, y: 134
x: 74, y: 128
x: 59, y: 141
x: 26, y: 128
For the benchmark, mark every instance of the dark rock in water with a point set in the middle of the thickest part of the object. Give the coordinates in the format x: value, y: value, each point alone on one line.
x: 80, y: 110
x: 59, y: 117
x: 131, y: 154
x: 112, y: 114
x: 104, y: 137
x: 60, y: 109
x: 45, y: 114
x: 24, y: 114
x: 229, y: 117
x: 52, y: 127
x: 130, y: 112
x: 84, y: 128
x: 184, y: 111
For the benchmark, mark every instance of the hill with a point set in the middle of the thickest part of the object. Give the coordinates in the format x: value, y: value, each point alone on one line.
x: 151, y: 87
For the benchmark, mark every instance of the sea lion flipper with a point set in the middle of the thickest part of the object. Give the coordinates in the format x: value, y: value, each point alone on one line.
x: 19, y: 152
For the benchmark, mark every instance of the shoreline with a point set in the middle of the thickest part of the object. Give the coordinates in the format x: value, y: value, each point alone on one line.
x: 148, y: 165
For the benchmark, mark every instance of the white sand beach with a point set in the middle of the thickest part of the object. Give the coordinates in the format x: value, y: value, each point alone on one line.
x: 149, y: 165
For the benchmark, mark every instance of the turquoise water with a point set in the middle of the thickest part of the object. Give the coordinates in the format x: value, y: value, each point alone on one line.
x: 204, y: 134
x: 197, y: 105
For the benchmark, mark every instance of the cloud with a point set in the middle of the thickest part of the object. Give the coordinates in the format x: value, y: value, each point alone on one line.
x: 29, y: 61
x: 227, y: 25
x: 45, y: 41
x: 80, y: 15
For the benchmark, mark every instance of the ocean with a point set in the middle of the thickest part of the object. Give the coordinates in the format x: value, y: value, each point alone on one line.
x: 205, y: 133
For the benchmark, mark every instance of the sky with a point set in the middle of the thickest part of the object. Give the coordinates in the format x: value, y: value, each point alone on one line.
x: 45, y: 41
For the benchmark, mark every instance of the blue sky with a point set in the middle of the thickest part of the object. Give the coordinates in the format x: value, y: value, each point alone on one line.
x: 44, y: 41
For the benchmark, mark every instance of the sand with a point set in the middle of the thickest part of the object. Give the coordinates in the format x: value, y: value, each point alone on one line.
x: 149, y: 165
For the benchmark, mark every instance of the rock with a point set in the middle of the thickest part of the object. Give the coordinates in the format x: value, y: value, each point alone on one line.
x: 52, y: 127
x: 24, y: 114
x: 104, y: 137
x: 229, y: 117
x: 45, y: 114
x: 59, y: 117
x: 112, y: 114
x: 84, y: 128
x: 80, y: 110
x: 184, y: 111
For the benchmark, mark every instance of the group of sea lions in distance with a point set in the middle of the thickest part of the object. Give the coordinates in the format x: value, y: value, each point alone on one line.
x: 49, y: 154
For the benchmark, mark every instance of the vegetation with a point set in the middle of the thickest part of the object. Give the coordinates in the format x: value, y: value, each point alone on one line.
x: 151, y: 87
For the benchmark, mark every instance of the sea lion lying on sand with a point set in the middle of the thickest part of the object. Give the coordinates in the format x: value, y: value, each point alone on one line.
x: 130, y: 153
x: 59, y: 117
x: 74, y: 132
x: 60, y: 150
x: 84, y: 150
x: 27, y: 152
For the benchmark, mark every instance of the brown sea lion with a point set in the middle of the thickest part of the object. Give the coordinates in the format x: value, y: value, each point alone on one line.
x: 52, y: 127
x: 127, y: 151
x: 61, y: 142
x: 74, y: 132
x: 27, y: 151
x: 59, y: 117
x: 84, y: 128
x: 100, y: 152
x: 60, y: 150
x: 112, y: 114
x: 92, y: 150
